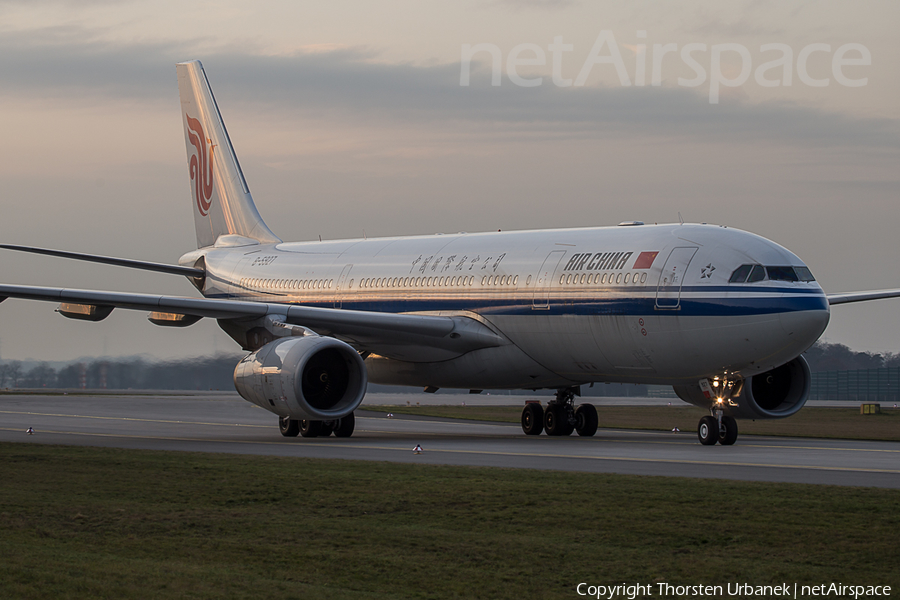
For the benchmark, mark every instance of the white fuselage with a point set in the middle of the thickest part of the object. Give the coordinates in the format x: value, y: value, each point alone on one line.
x: 641, y: 304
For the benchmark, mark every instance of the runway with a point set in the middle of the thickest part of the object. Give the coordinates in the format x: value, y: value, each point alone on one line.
x: 225, y: 423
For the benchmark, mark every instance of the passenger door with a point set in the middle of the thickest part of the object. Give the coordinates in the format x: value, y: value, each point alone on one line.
x: 668, y: 290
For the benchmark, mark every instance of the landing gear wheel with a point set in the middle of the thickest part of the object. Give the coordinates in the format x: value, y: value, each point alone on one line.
x: 730, y: 433
x: 556, y: 421
x: 586, y: 420
x: 708, y: 431
x: 288, y: 427
x: 327, y: 428
x: 533, y: 419
x: 310, y: 429
x: 343, y: 427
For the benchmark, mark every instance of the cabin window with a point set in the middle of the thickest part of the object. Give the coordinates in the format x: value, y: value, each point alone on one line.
x: 516, y: 280
x: 350, y: 285
x: 619, y: 278
x: 627, y: 277
x: 643, y: 277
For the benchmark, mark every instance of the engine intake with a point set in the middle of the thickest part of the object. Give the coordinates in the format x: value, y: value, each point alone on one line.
x: 316, y: 378
x: 774, y: 394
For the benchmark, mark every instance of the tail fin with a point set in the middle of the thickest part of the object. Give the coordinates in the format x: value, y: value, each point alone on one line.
x: 222, y: 201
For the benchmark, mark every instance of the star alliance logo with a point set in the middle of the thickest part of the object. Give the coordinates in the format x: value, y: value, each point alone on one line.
x: 707, y: 271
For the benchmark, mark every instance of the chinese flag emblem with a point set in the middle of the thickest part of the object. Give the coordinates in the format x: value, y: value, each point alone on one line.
x: 645, y: 260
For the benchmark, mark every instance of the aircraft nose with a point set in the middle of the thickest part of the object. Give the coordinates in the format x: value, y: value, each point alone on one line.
x: 805, y: 326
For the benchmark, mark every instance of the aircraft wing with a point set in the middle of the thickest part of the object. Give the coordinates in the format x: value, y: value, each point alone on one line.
x: 861, y: 296
x: 401, y: 336
x: 109, y: 260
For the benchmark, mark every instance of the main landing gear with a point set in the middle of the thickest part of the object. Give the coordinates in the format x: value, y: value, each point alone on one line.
x: 561, y: 416
x: 717, y: 427
x: 342, y: 427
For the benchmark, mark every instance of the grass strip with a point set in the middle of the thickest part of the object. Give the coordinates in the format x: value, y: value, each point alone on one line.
x: 80, y: 522
x: 813, y: 421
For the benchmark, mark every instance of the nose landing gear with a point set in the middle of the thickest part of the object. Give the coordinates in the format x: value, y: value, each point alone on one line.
x: 717, y: 427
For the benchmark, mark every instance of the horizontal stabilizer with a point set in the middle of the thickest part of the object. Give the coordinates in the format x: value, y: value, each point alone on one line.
x: 108, y: 260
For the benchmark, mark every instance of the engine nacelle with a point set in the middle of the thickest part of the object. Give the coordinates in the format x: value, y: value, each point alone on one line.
x: 774, y: 394
x: 310, y: 377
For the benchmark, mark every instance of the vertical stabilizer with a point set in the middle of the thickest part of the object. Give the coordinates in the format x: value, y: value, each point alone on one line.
x: 222, y: 203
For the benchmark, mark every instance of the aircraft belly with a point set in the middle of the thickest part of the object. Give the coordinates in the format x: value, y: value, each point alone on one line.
x: 564, y: 344
x: 503, y: 367
x: 661, y: 348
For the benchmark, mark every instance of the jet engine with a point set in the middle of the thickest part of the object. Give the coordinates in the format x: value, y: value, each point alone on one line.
x: 309, y: 377
x: 774, y: 394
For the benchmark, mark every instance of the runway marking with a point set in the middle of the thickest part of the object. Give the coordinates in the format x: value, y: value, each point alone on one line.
x: 481, y: 452
x: 431, y: 434
x: 15, y: 412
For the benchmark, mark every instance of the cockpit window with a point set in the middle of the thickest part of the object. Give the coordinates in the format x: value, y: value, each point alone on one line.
x: 781, y: 273
x: 740, y: 274
x: 754, y: 273
x: 804, y: 274
x: 757, y: 274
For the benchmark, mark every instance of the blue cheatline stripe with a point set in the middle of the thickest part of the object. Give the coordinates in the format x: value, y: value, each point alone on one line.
x: 692, y: 306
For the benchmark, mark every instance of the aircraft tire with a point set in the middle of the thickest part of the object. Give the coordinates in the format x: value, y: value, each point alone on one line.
x: 555, y: 422
x: 708, y: 431
x: 730, y: 435
x: 288, y: 427
x: 344, y: 426
x: 310, y: 429
x: 533, y: 419
x: 586, y: 420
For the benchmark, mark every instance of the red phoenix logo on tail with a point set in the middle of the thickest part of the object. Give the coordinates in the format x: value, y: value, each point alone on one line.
x: 201, y: 167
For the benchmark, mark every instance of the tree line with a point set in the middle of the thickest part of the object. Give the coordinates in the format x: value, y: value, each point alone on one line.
x: 215, y: 372
x: 202, y: 373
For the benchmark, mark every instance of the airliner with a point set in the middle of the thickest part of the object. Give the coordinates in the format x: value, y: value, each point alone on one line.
x: 720, y: 314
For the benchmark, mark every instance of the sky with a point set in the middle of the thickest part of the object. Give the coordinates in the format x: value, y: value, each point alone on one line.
x: 351, y: 118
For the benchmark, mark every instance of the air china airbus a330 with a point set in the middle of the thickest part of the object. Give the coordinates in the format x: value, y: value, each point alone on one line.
x: 720, y: 314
